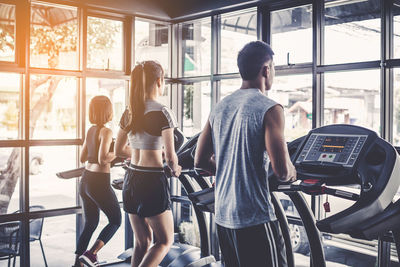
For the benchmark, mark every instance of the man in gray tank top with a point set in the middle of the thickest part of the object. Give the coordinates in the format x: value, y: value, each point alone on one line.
x: 245, y: 131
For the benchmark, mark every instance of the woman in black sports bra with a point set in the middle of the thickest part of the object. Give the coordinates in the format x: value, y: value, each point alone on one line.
x: 94, y: 188
x: 149, y: 127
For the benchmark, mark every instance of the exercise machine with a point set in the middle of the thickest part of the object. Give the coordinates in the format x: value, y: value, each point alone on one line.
x: 338, y: 155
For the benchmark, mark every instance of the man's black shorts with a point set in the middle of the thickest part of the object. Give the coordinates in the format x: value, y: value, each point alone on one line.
x: 145, y: 191
x: 256, y: 246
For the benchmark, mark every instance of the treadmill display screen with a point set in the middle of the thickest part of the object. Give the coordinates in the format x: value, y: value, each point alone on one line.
x: 332, y: 148
x: 333, y: 144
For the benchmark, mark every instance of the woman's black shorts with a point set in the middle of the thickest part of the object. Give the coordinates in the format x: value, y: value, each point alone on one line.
x: 145, y: 191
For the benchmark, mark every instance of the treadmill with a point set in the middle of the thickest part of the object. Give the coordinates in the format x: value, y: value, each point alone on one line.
x: 340, y: 155
x: 180, y: 255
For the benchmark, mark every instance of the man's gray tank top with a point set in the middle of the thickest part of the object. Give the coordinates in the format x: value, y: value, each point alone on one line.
x: 242, y: 197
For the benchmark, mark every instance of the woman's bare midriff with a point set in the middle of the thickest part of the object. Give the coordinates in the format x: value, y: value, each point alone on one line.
x: 147, y: 158
x: 95, y: 167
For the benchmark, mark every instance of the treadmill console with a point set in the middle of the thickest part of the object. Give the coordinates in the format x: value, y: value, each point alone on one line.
x: 332, y: 153
x: 340, y: 149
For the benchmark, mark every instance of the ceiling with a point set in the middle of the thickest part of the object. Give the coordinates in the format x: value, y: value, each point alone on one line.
x: 168, y: 10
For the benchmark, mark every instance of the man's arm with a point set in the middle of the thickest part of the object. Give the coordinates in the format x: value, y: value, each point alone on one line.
x: 275, y: 144
x: 204, y: 150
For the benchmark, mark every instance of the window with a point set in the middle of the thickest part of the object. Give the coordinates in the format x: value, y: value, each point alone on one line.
x: 105, y: 44
x: 10, y: 174
x: 54, y: 37
x: 196, y: 107
x: 53, y: 107
x: 151, y: 43
x: 396, y: 108
x: 294, y: 93
x: 353, y: 98
x: 352, y: 31
x: 196, y: 48
x: 45, y: 188
x: 292, y: 35
x: 7, y: 32
x: 237, y: 29
x: 396, y: 28
x: 10, y: 106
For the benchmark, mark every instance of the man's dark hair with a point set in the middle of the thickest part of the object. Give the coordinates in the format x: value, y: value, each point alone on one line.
x: 252, y: 57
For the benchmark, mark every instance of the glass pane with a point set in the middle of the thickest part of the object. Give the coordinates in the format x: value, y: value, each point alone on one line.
x: 53, y: 107
x: 105, y: 44
x: 236, y: 31
x: 44, y: 187
x: 352, y: 31
x: 396, y: 28
x: 196, y: 48
x: 196, y: 107
x: 229, y: 86
x: 295, y: 94
x: 151, y: 43
x: 292, y: 35
x: 7, y: 32
x: 58, y: 238
x: 10, y: 107
x: 165, y: 99
x: 353, y: 98
x: 54, y: 37
x: 10, y: 172
x: 115, y: 90
x: 396, y: 107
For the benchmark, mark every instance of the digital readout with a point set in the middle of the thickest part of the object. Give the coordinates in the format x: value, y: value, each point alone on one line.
x: 333, y: 144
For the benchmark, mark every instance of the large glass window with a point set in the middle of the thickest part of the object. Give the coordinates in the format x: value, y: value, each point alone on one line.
x: 54, y: 36
x: 10, y: 174
x: 294, y: 93
x: 396, y: 108
x: 196, y: 107
x: 396, y: 28
x: 105, y: 44
x: 151, y: 43
x: 353, y: 98
x: 196, y: 48
x: 53, y: 107
x: 10, y: 105
x: 237, y: 29
x: 352, y: 31
x: 7, y: 32
x: 292, y: 35
x: 45, y: 188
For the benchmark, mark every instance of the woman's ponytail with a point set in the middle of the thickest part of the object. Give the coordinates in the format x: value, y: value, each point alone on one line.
x: 142, y: 77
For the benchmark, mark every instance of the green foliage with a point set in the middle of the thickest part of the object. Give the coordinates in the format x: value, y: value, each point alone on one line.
x: 188, y: 102
x: 47, y: 40
x: 102, y: 34
x: 7, y: 37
